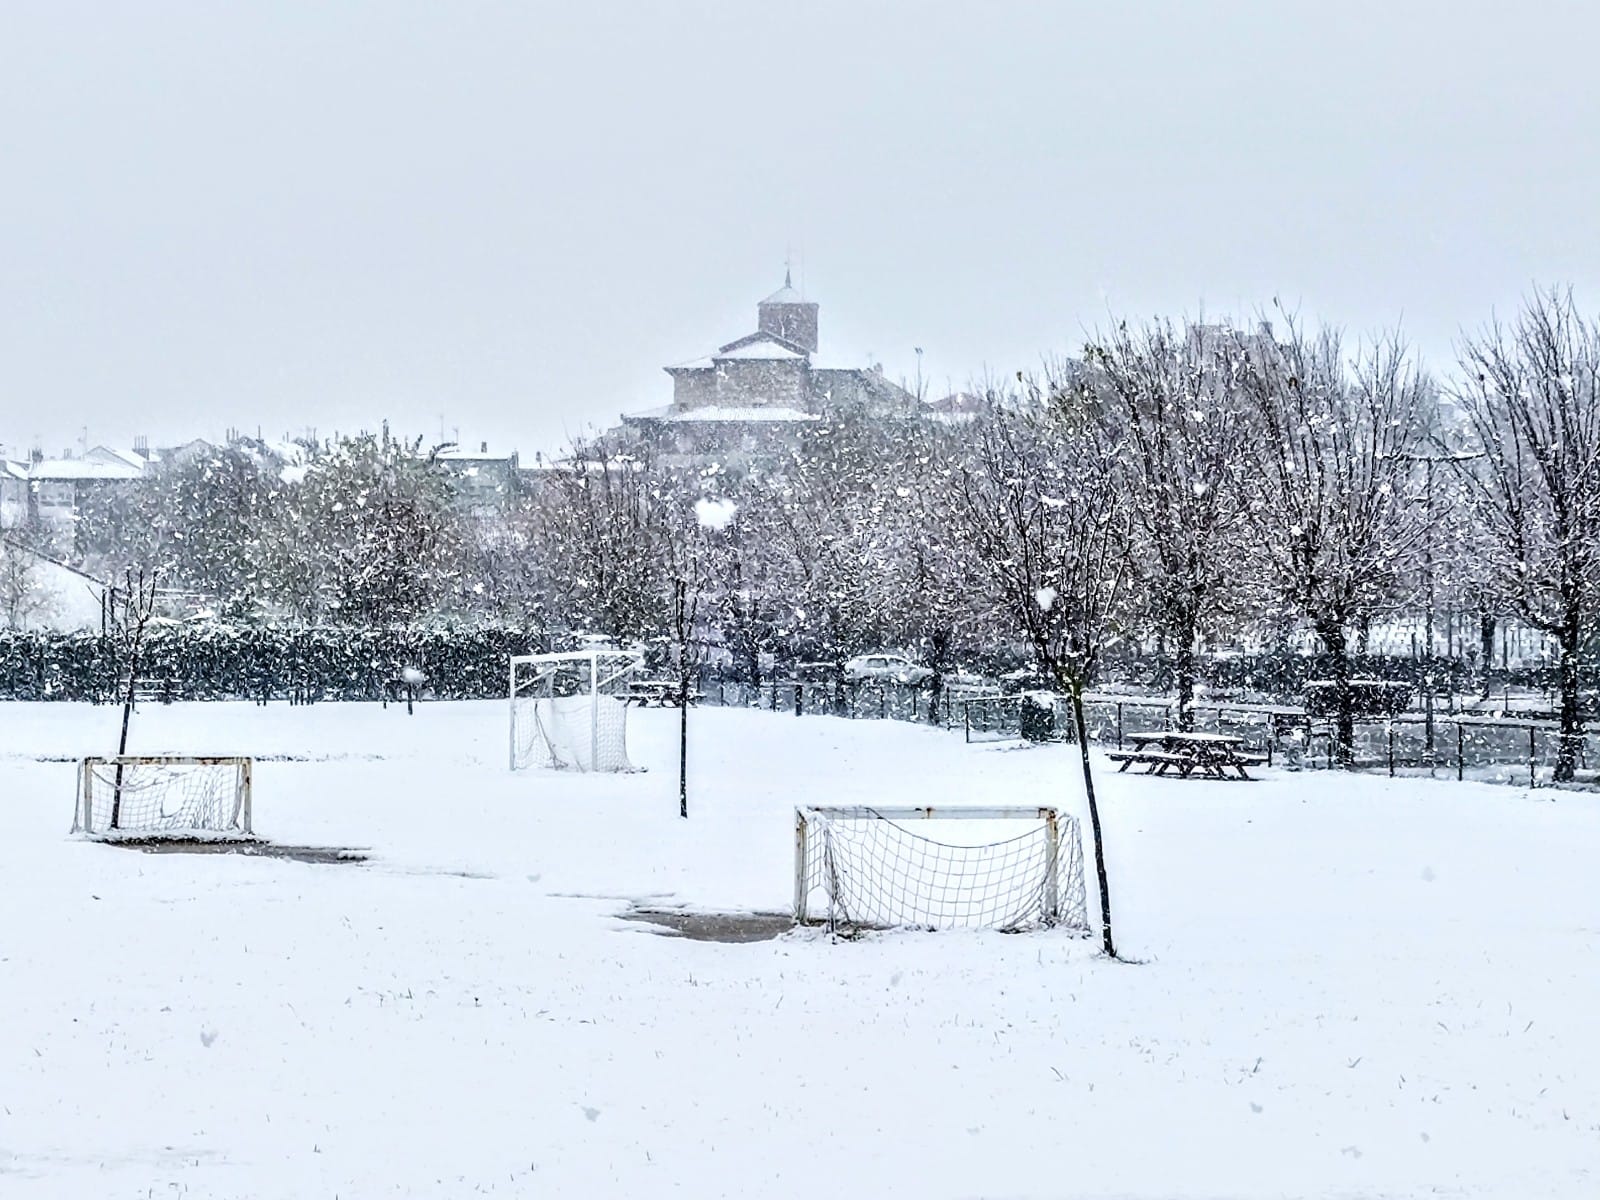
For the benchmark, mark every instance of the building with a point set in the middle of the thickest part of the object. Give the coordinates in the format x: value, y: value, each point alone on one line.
x: 745, y: 401
x: 484, y: 483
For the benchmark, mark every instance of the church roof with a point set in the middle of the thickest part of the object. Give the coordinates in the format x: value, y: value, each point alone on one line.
x: 765, y: 346
x: 786, y: 294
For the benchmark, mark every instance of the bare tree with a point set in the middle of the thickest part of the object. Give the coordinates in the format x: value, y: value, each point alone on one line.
x: 1173, y: 398
x: 1532, y: 396
x: 132, y: 607
x: 592, y: 527
x: 1040, y: 506
x: 1333, y: 490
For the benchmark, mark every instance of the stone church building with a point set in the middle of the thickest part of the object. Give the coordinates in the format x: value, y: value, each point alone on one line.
x: 746, y: 400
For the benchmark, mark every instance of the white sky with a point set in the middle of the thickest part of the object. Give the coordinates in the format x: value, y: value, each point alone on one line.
x: 513, y: 215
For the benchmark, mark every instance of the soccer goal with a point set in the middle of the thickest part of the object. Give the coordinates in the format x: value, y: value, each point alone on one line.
x: 939, y: 868
x: 571, y: 710
x: 163, y: 796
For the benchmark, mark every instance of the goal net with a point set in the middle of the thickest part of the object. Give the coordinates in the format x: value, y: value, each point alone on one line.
x: 570, y: 711
x: 939, y: 868
x: 163, y: 796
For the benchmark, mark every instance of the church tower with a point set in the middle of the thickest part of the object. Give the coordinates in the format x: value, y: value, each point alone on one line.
x: 787, y: 316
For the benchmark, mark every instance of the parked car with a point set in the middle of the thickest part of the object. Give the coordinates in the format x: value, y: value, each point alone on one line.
x: 892, y: 668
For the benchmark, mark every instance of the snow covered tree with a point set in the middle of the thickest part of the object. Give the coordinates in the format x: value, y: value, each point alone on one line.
x: 370, y: 535
x: 1531, y: 394
x: 1332, y: 488
x: 591, y: 527
x: 1040, y: 502
x: 818, y: 520
x: 1172, y: 398
x: 211, y: 512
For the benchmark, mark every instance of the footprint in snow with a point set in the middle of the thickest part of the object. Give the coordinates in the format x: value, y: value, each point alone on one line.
x: 592, y: 1113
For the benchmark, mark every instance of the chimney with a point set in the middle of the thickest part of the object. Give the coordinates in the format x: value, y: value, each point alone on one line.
x: 483, y: 447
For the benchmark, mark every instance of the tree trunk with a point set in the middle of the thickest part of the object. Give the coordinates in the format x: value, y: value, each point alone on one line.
x: 1486, y: 624
x: 941, y: 653
x: 1081, y: 728
x: 1184, y: 670
x: 1571, y: 740
x: 683, y: 749
x: 1344, y: 700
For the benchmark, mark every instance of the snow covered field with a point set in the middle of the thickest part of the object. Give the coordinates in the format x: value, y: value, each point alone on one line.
x: 1346, y: 986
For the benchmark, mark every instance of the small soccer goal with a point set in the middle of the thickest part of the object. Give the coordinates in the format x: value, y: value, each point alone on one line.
x: 939, y: 868
x: 570, y: 711
x: 155, y: 796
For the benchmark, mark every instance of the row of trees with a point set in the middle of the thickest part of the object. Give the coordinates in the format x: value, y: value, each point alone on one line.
x: 1174, y: 484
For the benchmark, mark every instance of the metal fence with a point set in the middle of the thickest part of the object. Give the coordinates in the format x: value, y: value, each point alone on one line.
x: 1464, y: 747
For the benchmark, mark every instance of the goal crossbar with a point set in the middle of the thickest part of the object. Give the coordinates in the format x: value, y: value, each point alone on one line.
x: 869, y: 866
x: 164, y: 795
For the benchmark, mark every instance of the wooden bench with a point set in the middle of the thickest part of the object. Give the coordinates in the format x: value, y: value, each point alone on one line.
x: 663, y: 692
x: 1159, y: 761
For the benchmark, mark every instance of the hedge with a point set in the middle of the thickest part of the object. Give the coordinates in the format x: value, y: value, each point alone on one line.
x: 221, y: 662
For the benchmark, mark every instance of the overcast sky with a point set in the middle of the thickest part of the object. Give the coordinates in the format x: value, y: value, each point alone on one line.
x: 511, y: 216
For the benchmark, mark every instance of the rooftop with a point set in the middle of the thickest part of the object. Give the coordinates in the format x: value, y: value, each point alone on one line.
x: 767, y: 347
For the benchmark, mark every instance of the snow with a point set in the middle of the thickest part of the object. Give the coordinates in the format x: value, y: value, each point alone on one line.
x: 714, y: 514
x: 758, y: 350
x: 745, y: 413
x: 1337, y: 985
x: 82, y: 468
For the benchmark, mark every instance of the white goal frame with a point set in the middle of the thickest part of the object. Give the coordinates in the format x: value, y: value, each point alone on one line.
x: 1062, y: 893
x: 606, y: 668
x: 237, y: 822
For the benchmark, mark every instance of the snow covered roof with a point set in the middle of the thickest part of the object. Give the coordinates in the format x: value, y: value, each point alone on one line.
x: 468, y: 454
x: 784, y: 295
x: 111, y: 454
x: 766, y: 348
x: 751, y: 413
x: 650, y: 414
x: 82, y: 468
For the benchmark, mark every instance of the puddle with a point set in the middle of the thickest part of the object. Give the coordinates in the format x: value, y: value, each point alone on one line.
x: 715, y: 927
x: 305, y: 854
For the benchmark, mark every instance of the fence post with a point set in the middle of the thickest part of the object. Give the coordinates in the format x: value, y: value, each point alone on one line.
x: 1119, y: 724
x: 798, y: 702
x: 1533, y: 779
x: 1461, y: 753
x: 883, y: 702
x: 1391, y: 749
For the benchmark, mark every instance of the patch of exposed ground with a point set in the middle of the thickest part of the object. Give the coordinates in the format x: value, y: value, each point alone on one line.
x: 714, y: 927
x: 252, y: 849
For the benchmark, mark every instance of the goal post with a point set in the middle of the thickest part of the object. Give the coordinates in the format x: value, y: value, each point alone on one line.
x: 164, y: 795
x: 934, y: 867
x: 569, y: 710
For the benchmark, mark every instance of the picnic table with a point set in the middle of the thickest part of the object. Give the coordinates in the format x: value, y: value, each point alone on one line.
x: 663, y: 692
x: 1212, y: 755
